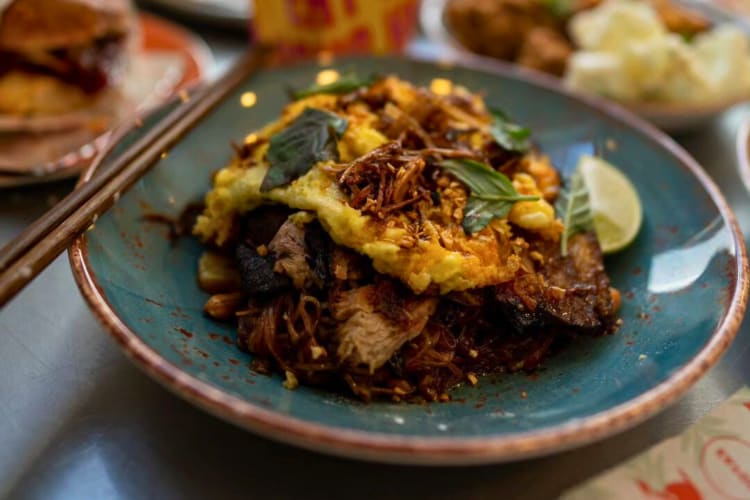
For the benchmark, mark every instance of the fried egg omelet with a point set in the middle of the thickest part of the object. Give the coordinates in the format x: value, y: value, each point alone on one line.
x: 433, y: 253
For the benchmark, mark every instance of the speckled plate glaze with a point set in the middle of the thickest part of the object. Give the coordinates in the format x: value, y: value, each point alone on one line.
x: 684, y: 283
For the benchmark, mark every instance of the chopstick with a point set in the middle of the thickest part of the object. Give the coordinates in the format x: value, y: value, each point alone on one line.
x: 26, y: 256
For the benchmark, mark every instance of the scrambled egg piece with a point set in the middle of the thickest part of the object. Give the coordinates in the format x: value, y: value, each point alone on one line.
x: 439, y: 254
x: 469, y: 262
x: 627, y: 53
x: 446, y: 257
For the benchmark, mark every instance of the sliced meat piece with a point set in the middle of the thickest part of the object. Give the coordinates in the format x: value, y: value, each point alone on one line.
x: 320, y: 253
x: 257, y: 276
x: 570, y: 293
x: 277, y: 252
x: 302, y: 252
x: 257, y: 229
x: 261, y: 225
x: 376, y: 320
x: 583, y: 273
x: 290, y: 254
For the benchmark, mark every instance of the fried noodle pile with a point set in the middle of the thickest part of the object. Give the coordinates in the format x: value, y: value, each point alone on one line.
x: 359, y: 276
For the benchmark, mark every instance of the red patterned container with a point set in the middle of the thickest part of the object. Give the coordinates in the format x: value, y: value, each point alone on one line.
x: 305, y: 28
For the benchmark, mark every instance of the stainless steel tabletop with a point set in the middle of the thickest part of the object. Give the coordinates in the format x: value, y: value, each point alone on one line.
x: 78, y: 420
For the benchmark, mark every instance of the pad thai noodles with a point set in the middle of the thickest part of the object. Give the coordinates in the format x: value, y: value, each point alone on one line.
x: 393, y: 242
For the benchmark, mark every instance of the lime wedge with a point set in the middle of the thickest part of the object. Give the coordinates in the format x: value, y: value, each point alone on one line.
x: 615, y: 205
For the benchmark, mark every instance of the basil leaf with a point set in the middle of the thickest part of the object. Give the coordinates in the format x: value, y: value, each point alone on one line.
x: 481, y: 179
x: 479, y: 213
x: 509, y: 135
x: 688, y: 37
x: 492, y: 194
x: 559, y: 8
x: 346, y: 83
x: 574, y: 207
x: 309, y: 139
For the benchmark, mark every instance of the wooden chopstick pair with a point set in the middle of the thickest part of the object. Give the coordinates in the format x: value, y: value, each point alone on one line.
x: 26, y: 256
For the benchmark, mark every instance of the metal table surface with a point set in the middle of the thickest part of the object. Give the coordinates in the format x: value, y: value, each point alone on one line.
x: 78, y: 420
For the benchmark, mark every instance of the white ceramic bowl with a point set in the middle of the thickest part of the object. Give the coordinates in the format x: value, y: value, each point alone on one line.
x: 743, y: 153
x: 674, y: 118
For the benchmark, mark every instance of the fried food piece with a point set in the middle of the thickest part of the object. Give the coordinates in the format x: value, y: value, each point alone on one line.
x: 497, y: 28
x: 568, y: 294
x: 676, y: 18
x: 680, y: 19
x: 545, y: 49
x: 529, y: 33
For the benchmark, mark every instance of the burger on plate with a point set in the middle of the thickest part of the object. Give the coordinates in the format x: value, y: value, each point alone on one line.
x: 61, y: 64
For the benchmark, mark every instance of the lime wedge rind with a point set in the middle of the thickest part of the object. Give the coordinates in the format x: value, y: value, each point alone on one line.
x: 615, y: 204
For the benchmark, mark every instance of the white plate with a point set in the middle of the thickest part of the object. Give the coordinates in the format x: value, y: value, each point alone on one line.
x: 235, y: 13
x: 743, y: 152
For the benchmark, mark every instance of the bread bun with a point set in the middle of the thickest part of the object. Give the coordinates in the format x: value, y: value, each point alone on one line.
x: 40, y: 102
x: 26, y: 94
x: 40, y: 25
x: 61, y: 57
x: 60, y: 68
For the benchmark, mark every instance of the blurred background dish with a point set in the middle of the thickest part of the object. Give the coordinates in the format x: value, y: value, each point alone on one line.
x: 677, y: 63
x: 226, y: 13
x: 165, y: 59
x: 319, y: 30
x: 63, y: 68
x: 743, y: 153
x: 739, y: 6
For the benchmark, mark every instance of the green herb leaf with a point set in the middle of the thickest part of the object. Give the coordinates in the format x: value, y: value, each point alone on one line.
x: 309, y: 139
x: 509, y: 135
x: 348, y: 82
x: 688, y: 37
x: 478, y: 213
x: 574, y: 207
x: 560, y: 8
x: 492, y: 194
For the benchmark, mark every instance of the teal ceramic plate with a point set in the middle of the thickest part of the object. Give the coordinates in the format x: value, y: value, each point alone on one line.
x: 684, y: 283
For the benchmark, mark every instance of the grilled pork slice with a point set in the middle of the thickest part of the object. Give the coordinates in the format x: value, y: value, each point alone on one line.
x: 255, y: 265
x: 375, y: 321
x: 290, y: 254
x: 571, y: 294
x: 302, y: 251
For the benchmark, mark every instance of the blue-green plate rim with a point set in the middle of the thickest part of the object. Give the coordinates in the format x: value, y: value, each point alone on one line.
x: 440, y: 451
